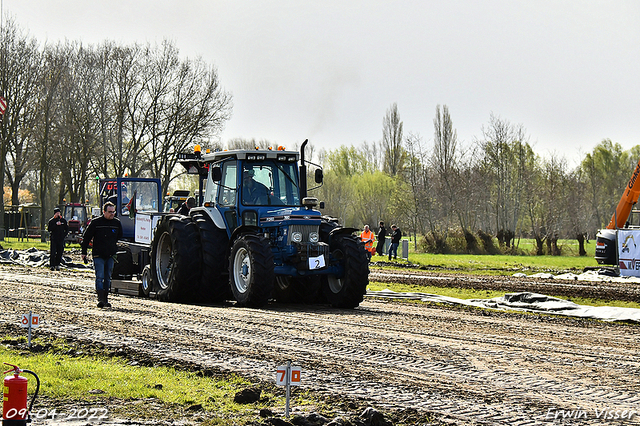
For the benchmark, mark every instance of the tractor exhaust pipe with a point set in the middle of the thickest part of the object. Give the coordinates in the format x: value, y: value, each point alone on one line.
x: 303, y: 172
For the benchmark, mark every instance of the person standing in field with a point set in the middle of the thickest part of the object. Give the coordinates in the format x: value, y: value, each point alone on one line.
x: 105, y: 231
x: 382, y: 234
x: 396, y: 235
x: 58, y: 229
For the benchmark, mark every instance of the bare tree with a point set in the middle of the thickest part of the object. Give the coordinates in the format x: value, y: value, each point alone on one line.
x: 191, y: 109
x: 239, y: 143
x: 554, y: 199
x: 79, y: 122
x: 444, y: 163
x: 415, y: 205
x: 471, y: 191
x: 20, y: 72
x: 394, y: 153
x: 505, y: 152
x: 576, y: 210
x: 48, y: 109
x: 125, y: 69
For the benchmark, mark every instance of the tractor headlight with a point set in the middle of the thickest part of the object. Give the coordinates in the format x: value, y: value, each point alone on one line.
x: 296, y: 237
x: 313, y: 237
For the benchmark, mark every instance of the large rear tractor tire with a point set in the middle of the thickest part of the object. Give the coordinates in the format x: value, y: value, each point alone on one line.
x: 349, y: 290
x: 176, y: 259
x: 214, y: 281
x: 251, y: 273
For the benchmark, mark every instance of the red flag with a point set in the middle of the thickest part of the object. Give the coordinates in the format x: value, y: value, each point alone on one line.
x: 3, y: 105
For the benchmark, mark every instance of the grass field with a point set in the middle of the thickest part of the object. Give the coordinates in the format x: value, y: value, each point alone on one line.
x: 501, y: 264
x: 98, y: 378
x: 16, y: 244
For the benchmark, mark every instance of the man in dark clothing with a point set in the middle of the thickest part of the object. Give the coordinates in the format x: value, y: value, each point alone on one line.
x: 396, y: 235
x: 186, y: 206
x: 58, y: 229
x: 382, y: 233
x: 253, y: 192
x: 105, y: 231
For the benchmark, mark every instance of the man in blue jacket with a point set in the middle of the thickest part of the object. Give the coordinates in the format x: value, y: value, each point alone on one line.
x: 105, y: 231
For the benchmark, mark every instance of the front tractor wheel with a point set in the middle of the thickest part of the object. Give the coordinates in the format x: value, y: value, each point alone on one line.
x: 144, y: 289
x: 348, y: 290
x: 175, y: 259
x: 251, y: 273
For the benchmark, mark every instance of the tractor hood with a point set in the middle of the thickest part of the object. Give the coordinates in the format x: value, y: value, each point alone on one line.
x: 276, y: 217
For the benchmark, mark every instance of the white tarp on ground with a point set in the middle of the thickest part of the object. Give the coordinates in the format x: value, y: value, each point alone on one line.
x: 526, y: 302
x: 603, y: 275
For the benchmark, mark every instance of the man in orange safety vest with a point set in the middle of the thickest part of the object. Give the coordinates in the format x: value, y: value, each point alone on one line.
x: 367, y: 236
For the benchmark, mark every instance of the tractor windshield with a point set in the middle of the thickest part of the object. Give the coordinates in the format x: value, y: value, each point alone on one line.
x: 74, y: 213
x: 270, y: 183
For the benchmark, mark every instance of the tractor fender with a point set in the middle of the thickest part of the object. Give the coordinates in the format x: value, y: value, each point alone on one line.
x: 213, y: 213
x: 340, y: 231
x: 244, y: 229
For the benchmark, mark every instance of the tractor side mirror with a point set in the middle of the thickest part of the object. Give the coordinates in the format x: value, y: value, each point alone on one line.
x: 216, y: 174
x: 319, y: 175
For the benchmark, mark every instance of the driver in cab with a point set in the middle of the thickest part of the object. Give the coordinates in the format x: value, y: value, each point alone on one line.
x: 253, y: 192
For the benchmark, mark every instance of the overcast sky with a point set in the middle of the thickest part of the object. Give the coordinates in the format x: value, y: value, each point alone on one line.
x: 568, y: 71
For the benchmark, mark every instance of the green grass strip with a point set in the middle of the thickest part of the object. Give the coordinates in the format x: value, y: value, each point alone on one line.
x: 100, y: 380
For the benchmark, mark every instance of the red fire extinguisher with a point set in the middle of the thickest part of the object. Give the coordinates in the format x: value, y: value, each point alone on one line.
x: 14, y: 403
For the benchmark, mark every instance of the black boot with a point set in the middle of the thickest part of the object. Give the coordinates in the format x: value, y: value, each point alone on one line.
x: 106, y: 299
x: 100, y: 298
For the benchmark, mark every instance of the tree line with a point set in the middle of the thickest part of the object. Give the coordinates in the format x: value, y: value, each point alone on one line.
x: 456, y: 198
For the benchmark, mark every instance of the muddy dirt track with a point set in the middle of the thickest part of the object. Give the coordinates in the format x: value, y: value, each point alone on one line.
x: 464, y: 366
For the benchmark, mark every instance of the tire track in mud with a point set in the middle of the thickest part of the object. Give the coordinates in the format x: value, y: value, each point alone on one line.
x: 473, y: 366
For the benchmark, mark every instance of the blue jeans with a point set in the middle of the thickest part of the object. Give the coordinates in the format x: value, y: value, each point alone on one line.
x: 393, y: 250
x: 103, y: 267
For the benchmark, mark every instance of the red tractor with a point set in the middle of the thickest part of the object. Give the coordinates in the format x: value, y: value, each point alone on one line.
x: 78, y: 216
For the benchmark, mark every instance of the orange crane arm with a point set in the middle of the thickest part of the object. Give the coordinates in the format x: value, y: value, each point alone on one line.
x: 628, y: 199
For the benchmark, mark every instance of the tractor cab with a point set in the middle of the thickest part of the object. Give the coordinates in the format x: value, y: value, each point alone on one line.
x: 78, y: 216
x: 131, y: 196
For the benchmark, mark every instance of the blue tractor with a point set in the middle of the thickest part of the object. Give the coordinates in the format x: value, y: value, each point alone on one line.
x: 254, y: 236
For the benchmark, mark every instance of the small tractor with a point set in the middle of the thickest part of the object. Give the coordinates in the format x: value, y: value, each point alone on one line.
x: 78, y: 216
x: 176, y: 200
x: 254, y: 235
